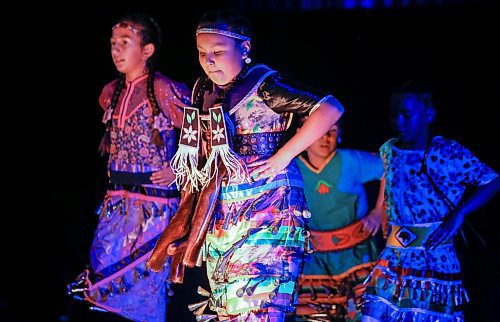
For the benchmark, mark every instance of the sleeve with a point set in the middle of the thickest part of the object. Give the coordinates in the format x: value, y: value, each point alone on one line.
x: 283, y: 96
x: 370, y: 166
x: 107, y: 94
x: 385, y: 150
x: 468, y: 169
x: 169, y: 92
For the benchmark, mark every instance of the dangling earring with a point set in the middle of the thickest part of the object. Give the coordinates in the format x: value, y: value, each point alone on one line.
x: 248, y: 60
x: 339, y: 140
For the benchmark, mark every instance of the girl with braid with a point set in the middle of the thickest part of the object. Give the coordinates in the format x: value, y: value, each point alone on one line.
x: 141, y: 109
x: 243, y: 208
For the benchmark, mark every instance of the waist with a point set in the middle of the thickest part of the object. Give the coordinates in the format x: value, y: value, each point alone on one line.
x: 130, y: 178
x: 266, y: 143
x: 412, y: 236
x: 339, y: 239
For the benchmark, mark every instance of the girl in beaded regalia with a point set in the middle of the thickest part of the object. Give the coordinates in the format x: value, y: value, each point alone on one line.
x: 242, y: 208
x: 141, y: 107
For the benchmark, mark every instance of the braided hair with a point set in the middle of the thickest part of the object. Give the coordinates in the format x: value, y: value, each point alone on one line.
x: 150, y: 33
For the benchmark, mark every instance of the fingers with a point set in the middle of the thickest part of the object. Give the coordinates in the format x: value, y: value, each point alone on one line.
x: 263, y: 172
x: 160, y: 177
x: 434, y: 239
x: 369, y: 226
x: 257, y: 163
x: 271, y: 178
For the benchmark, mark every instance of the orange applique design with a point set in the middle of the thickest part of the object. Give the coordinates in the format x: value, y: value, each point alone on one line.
x: 323, y: 187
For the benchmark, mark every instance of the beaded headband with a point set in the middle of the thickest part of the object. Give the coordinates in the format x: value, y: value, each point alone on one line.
x: 126, y: 26
x: 221, y: 32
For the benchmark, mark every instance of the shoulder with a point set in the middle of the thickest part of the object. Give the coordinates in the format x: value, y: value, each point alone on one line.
x: 107, y: 93
x: 387, y: 146
x: 448, y: 147
x: 164, y: 82
x: 110, y: 87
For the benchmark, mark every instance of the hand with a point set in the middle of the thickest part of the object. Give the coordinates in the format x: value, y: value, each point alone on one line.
x: 164, y: 176
x: 445, y: 231
x: 271, y: 167
x: 372, y: 221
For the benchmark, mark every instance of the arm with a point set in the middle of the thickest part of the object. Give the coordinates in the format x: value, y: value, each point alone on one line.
x: 181, y: 98
x: 373, y: 220
x: 172, y: 97
x: 453, y: 222
x: 320, y: 121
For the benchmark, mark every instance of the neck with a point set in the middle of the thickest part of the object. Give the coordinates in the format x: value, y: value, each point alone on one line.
x: 417, y: 144
x: 318, y: 161
x: 130, y: 77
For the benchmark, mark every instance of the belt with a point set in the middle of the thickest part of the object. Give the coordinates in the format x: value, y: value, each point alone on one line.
x: 412, y: 236
x: 258, y: 143
x: 339, y: 239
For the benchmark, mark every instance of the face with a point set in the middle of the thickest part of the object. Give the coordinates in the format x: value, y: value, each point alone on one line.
x: 129, y: 56
x: 325, y: 145
x: 221, y: 57
x: 410, y: 118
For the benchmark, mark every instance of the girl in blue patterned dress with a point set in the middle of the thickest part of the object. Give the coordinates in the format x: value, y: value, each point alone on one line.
x: 417, y: 276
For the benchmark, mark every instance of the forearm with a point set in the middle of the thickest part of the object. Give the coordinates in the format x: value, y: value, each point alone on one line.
x: 314, y: 128
x: 381, y: 191
x: 479, y: 198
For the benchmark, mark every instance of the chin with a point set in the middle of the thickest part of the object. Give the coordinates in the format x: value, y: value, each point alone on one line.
x: 219, y: 82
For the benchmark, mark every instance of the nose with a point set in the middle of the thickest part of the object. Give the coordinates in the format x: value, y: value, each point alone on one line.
x: 209, y: 59
x: 115, y: 49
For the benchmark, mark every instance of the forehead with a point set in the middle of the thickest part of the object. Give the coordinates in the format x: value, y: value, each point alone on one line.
x: 122, y: 32
x: 407, y: 102
x: 205, y: 40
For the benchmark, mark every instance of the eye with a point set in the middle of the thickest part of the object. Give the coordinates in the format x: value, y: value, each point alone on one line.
x: 202, y: 54
x: 218, y: 52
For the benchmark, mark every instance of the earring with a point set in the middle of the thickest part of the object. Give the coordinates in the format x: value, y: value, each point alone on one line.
x: 248, y: 60
x: 339, y: 140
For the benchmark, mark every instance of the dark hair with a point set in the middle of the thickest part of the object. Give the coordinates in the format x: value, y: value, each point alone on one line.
x: 421, y: 89
x: 226, y: 19
x: 150, y: 33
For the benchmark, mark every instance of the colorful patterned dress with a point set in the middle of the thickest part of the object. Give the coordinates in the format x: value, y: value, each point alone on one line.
x: 257, y: 235
x: 134, y: 212
x: 344, y: 254
x: 410, y: 282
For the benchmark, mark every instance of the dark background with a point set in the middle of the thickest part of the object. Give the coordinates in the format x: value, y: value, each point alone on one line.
x: 358, y: 51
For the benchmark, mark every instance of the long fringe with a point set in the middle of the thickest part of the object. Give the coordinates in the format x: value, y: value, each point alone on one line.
x: 184, y: 165
x: 236, y: 169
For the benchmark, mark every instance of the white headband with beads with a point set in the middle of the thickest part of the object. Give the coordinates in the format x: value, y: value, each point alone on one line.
x: 221, y: 32
x: 126, y: 26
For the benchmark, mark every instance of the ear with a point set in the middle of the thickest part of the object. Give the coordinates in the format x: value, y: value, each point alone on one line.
x: 246, y: 46
x: 430, y: 115
x: 148, y: 51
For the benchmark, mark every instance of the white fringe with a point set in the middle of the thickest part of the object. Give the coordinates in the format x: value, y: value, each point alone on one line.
x: 184, y: 165
x: 236, y: 169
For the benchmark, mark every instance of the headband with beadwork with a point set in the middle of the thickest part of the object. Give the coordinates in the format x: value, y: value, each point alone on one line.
x: 126, y: 26
x: 221, y: 32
